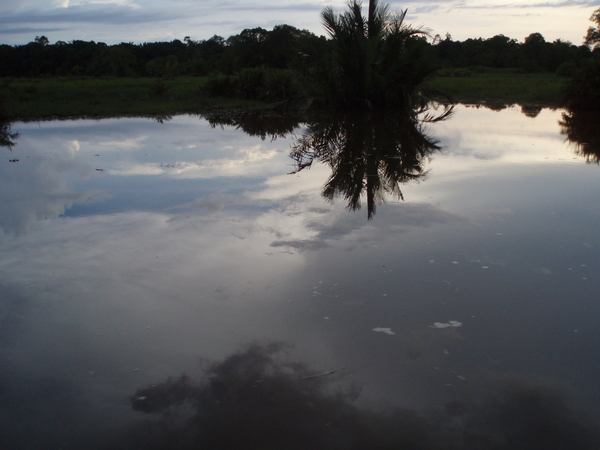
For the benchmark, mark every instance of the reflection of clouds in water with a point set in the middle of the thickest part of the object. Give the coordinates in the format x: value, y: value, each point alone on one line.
x: 346, y: 230
x: 35, y: 188
x: 301, y: 244
x: 210, y: 204
x: 484, y: 134
x: 114, y: 145
x: 73, y: 147
x: 248, y: 161
x: 245, y: 161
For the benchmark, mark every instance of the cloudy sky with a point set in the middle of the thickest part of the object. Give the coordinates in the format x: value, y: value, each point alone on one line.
x: 114, y: 21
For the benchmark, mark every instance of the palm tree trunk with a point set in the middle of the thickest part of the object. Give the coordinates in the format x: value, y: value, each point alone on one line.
x: 372, y: 6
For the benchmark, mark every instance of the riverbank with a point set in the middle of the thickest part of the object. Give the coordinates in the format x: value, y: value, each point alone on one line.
x: 51, y: 98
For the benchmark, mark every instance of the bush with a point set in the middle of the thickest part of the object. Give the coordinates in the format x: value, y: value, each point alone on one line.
x: 220, y: 86
x: 250, y: 83
x: 159, y: 87
x: 566, y: 69
x: 256, y: 83
x: 583, y: 92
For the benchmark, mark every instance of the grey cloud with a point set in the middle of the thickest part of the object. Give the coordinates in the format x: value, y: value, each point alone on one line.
x: 36, y: 30
x: 425, y: 9
x: 115, y: 14
x: 563, y: 4
x: 92, y: 14
x: 278, y: 7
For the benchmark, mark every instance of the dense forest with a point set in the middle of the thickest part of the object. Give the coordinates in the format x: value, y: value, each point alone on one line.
x: 282, y: 47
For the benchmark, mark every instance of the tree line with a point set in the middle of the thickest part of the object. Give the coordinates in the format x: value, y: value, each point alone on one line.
x: 283, y: 47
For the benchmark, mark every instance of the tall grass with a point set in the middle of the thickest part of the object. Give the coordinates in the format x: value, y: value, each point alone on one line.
x: 503, y: 87
x: 41, y: 98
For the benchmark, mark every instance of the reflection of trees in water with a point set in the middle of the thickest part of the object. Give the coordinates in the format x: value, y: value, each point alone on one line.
x: 582, y: 130
x: 371, y: 153
x: 263, y: 123
x: 257, y: 399
x: 7, y: 138
x: 529, y: 110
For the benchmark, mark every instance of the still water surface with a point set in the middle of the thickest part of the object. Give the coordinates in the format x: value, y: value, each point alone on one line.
x: 133, y: 250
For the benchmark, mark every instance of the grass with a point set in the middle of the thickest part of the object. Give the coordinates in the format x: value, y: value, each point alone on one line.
x: 543, y: 89
x: 48, y: 98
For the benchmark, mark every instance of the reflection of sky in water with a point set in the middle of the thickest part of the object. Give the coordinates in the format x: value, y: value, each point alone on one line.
x: 192, y: 241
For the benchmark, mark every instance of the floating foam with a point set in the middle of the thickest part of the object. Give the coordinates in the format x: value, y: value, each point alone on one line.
x: 383, y: 330
x: 451, y: 323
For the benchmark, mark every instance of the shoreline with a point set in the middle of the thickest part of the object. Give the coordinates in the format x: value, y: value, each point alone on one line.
x: 95, y: 98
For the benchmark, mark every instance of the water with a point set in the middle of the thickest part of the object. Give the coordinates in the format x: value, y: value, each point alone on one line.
x: 133, y: 250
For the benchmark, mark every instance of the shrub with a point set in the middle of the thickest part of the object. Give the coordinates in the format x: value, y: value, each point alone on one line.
x: 583, y: 92
x: 256, y: 83
x: 159, y: 87
x: 220, y: 86
x: 566, y: 69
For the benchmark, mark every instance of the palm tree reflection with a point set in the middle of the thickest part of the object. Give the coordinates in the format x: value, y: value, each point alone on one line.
x: 375, y: 153
x: 581, y: 129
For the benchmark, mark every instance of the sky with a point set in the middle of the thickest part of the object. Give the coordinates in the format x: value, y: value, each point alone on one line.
x: 137, y: 21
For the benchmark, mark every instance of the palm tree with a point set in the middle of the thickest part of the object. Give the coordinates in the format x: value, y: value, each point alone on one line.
x: 377, y: 61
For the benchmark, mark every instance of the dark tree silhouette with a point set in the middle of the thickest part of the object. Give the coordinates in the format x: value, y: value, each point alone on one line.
x: 378, y: 61
x: 592, y: 38
x: 583, y: 92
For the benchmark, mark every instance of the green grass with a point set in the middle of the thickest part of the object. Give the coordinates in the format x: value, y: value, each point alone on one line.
x: 46, y: 98
x: 504, y: 88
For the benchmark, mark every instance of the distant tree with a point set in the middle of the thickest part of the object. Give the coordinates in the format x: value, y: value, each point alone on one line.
x: 535, y: 53
x: 592, y: 38
x: 42, y: 40
x: 583, y: 93
x: 116, y: 61
x: 245, y: 49
x: 163, y: 66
